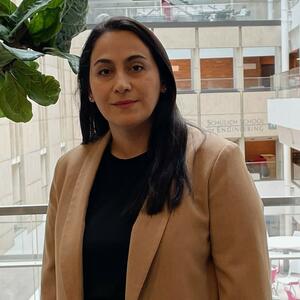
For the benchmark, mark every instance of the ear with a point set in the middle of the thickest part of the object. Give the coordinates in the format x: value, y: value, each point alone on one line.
x: 163, y: 88
x: 91, y: 99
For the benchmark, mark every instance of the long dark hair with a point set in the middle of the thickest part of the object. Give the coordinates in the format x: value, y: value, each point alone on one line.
x: 167, y: 173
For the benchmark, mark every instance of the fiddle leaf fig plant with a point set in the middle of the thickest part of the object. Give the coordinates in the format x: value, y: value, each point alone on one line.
x: 31, y: 30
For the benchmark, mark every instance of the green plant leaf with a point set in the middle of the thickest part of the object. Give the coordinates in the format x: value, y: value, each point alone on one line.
x: 1, y: 114
x: 26, y: 10
x: 72, y: 59
x: 57, y: 3
x: 7, y: 7
x: 43, y: 89
x: 5, y: 56
x: 13, y: 102
x: 4, y: 33
x: 73, y: 22
x: 22, y: 53
x: 32, y: 64
x: 45, y: 25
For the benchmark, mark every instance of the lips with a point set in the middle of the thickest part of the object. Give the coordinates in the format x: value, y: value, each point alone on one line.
x: 124, y: 102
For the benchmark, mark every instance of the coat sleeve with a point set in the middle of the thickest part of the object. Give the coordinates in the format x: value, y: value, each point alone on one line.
x: 237, y: 230
x: 48, y: 281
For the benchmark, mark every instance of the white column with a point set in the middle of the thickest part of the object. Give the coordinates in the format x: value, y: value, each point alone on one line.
x: 284, y: 36
x: 238, y: 68
x: 279, y: 160
x: 270, y: 9
x: 277, y: 68
x: 195, y: 69
x: 287, y: 162
x: 195, y: 64
x: 242, y: 144
x: 196, y: 76
x: 285, y: 67
x: 277, y: 60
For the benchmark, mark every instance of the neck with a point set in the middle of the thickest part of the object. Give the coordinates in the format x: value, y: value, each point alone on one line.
x: 128, y: 143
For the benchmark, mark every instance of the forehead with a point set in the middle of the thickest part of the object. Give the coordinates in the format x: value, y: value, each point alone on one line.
x: 119, y: 44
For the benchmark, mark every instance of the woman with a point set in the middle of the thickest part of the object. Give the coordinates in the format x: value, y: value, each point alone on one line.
x: 148, y: 207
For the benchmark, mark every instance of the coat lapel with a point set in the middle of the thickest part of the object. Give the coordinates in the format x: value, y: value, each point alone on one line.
x: 72, y: 236
x: 148, y: 231
x: 145, y: 238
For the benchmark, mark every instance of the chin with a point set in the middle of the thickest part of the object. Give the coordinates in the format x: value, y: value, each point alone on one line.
x: 132, y: 124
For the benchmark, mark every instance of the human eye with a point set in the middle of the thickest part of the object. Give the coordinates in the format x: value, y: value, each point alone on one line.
x: 137, y: 68
x: 104, y: 72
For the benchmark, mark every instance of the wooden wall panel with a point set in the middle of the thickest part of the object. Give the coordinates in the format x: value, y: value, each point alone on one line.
x: 182, y: 72
x: 294, y: 63
x: 213, y: 70
x: 255, y: 148
x: 218, y: 72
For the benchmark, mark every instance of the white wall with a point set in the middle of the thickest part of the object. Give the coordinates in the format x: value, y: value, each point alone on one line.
x: 263, y: 36
x: 284, y: 112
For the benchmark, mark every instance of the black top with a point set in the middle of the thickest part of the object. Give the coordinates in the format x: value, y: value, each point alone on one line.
x: 108, y: 228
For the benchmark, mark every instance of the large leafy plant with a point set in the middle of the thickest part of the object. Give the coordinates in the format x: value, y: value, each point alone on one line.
x: 27, y: 32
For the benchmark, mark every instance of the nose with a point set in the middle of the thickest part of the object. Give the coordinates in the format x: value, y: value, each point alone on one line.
x: 122, y: 83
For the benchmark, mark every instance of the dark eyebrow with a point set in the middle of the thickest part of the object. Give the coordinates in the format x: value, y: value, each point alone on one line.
x: 128, y: 59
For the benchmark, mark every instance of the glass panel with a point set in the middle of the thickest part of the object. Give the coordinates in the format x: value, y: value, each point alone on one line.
x: 20, y: 283
x: 214, y: 84
x: 289, y: 79
x: 216, y: 69
x: 283, y: 225
x: 164, y: 11
x: 21, y: 249
x: 263, y: 170
x: 256, y: 83
x: 22, y: 245
x: 183, y: 84
x: 259, y: 68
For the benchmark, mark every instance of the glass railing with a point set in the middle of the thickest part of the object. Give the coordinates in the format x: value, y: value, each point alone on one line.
x: 215, y: 84
x: 282, y: 216
x: 264, y: 170
x: 245, y: 11
x: 22, y: 236
x: 289, y: 79
x: 184, y: 84
x: 21, y: 249
x: 229, y: 84
x: 258, y: 83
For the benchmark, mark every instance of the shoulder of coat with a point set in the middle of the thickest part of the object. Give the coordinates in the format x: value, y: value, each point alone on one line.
x: 202, y: 141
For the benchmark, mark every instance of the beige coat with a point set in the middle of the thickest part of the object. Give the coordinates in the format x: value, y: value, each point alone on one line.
x: 212, y: 247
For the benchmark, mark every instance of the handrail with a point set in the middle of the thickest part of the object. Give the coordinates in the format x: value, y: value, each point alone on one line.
x: 41, y: 209
x: 281, y: 201
x: 20, y: 264
x: 294, y: 71
x: 276, y: 256
x: 16, y: 210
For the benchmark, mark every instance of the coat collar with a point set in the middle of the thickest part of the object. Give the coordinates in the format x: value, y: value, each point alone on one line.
x: 145, y: 238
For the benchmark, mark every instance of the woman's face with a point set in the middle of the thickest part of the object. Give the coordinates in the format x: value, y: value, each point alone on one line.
x: 124, y: 80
